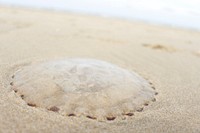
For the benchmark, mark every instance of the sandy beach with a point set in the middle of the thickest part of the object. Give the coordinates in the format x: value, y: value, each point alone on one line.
x: 167, y: 57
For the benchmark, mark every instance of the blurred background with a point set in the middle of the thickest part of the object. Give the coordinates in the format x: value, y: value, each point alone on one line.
x: 177, y: 13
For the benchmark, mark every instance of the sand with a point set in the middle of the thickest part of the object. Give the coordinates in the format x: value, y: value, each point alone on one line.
x: 167, y: 57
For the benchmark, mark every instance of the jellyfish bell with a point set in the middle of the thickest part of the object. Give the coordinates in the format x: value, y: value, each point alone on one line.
x: 83, y: 87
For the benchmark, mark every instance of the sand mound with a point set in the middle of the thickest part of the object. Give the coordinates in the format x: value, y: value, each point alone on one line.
x: 83, y: 87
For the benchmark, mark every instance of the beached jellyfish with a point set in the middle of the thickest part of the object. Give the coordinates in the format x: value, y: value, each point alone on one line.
x: 83, y: 87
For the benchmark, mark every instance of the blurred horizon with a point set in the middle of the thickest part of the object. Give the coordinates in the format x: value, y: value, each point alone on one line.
x: 176, y: 13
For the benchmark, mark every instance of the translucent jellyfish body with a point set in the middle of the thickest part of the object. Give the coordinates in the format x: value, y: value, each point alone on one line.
x: 83, y: 87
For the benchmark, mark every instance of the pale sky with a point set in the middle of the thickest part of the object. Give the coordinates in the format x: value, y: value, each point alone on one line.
x: 183, y: 13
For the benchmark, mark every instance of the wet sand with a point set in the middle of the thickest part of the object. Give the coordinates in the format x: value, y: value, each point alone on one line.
x: 167, y: 57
